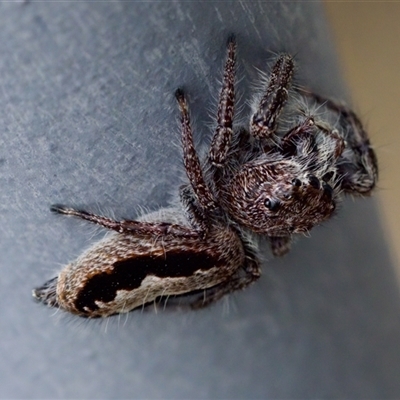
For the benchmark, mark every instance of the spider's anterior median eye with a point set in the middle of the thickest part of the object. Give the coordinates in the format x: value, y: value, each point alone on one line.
x: 272, y: 205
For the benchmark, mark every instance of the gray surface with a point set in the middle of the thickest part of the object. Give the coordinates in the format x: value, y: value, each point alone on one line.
x: 88, y: 118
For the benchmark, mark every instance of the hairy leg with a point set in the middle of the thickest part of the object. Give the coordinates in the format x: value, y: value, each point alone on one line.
x: 303, y: 131
x: 252, y: 272
x: 264, y: 121
x: 221, y: 142
x: 359, y: 172
x: 301, y: 141
x: 138, y: 228
x: 191, y: 160
x: 194, y: 213
x: 245, y: 276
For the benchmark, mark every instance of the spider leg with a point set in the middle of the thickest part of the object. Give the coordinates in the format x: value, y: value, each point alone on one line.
x: 303, y: 131
x: 280, y: 245
x: 191, y: 159
x: 264, y: 120
x: 304, y: 134
x: 252, y: 272
x: 248, y: 274
x: 360, y: 169
x: 221, y: 141
x: 194, y: 213
x: 138, y: 228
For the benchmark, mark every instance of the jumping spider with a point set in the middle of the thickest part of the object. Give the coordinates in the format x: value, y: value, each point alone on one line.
x: 281, y: 177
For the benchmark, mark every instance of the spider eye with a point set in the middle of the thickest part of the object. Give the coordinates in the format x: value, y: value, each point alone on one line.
x: 328, y: 191
x: 272, y: 205
x: 296, y: 182
x: 328, y: 176
x: 314, y: 181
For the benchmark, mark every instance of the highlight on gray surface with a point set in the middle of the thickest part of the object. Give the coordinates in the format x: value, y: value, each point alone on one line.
x: 89, y: 119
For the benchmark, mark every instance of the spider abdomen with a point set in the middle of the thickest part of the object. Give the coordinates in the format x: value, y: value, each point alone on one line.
x: 124, y: 272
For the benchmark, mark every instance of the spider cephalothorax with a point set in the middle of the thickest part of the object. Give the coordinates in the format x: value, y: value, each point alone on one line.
x: 278, y: 199
x: 281, y: 175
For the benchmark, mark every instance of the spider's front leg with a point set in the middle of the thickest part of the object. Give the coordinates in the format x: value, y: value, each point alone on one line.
x: 359, y: 169
x: 300, y: 141
x: 264, y: 120
x: 361, y: 173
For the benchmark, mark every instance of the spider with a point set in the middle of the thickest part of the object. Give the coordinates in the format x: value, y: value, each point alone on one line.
x: 282, y: 176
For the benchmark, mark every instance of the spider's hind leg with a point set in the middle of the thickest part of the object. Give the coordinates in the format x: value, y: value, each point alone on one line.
x: 139, y: 228
x: 245, y: 276
x: 87, y: 216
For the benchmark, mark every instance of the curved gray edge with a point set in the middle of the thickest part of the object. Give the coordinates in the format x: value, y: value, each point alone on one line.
x: 88, y: 118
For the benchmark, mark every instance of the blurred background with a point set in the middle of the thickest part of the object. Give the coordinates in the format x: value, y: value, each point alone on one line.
x: 367, y: 41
